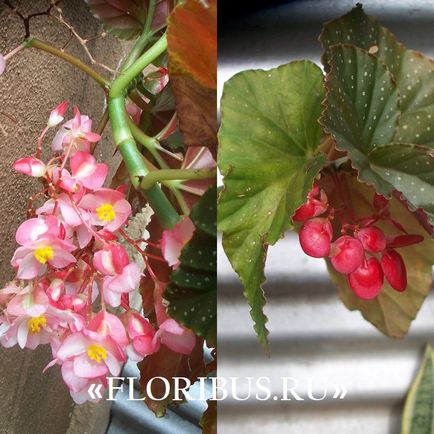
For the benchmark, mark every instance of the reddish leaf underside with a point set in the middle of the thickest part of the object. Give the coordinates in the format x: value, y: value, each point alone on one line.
x: 209, y: 419
x: 192, y: 48
x: 126, y: 18
x: 168, y: 364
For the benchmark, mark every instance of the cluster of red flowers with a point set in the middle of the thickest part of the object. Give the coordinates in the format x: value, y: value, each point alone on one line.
x: 362, y: 251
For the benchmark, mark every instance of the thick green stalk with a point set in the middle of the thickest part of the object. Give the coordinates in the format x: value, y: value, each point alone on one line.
x: 168, y: 174
x: 125, y: 141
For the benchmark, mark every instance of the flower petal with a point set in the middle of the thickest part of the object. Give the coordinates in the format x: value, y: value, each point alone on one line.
x: 86, y: 368
x: 72, y: 346
x: 74, y: 382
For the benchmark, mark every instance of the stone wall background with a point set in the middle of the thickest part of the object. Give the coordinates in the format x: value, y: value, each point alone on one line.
x: 33, y: 83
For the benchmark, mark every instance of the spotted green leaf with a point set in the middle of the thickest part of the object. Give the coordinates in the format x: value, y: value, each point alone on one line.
x: 391, y: 311
x: 410, y: 72
x: 192, y: 294
x: 410, y: 169
x: 362, y: 107
x: 418, y: 416
x: 268, y: 156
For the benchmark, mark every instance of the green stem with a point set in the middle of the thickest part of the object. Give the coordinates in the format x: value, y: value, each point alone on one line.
x: 168, y: 174
x: 125, y: 141
x: 36, y: 43
x: 181, y: 201
x: 148, y: 142
x: 151, y: 144
x: 142, y: 41
x: 121, y: 83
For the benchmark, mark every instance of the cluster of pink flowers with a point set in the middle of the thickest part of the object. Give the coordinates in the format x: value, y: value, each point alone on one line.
x: 354, y: 252
x: 71, y: 267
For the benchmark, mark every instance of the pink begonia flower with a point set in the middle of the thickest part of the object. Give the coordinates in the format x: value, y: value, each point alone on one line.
x: 65, y: 210
x: 31, y: 259
x: 78, y: 386
x: 176, y: 337
x: 120, y: 275
x: 57, y: 114
x: 107, y: 208
x: 30, y: 166
x: 2, y: 64
x: 78, y: 132
x: 35, y: 320
x: 35, y: 228
x: 65, y: 181
x: 86, y: 170
x: 89, y: 356
x: 107, y: 325
x: 173, y: 240
x: 142, y: 336
x: 8, y: 292
x: 173, y: 335
x: 61, y: 300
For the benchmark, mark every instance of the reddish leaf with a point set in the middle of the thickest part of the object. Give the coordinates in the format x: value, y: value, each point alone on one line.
x: 168, y: 364
x: 126, y: 18
x: 209, y: 419
x: 192, y: 48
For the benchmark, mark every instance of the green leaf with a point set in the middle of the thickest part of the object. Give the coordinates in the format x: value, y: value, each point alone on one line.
x: 363, y: 31
x: 267, y: 154
x: 391, y: 311
x: 126, y: 19
x: 412, y: 71
x: 361, y: 108
x: 192, y: 294
x: 418, y: 416
x: 410, y: 169
x: 203, y: 215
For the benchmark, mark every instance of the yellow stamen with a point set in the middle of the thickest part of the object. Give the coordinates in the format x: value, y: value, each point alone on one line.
x: 44, y: 254
x: 35, y: 324
x: 106, y: 212
x: 96, y: 352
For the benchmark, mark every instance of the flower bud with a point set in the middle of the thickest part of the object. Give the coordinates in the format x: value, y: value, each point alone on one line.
x: 315, y: 237
x: 347, y: 254
x: 394, y: 269
x: 367, y: 280
x: 30, y: 166
x: 314, y: 207
x: 372, y: 238
x: 56, y: 115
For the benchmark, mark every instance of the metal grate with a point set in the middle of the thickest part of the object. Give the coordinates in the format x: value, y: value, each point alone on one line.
x: 133, y: 417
